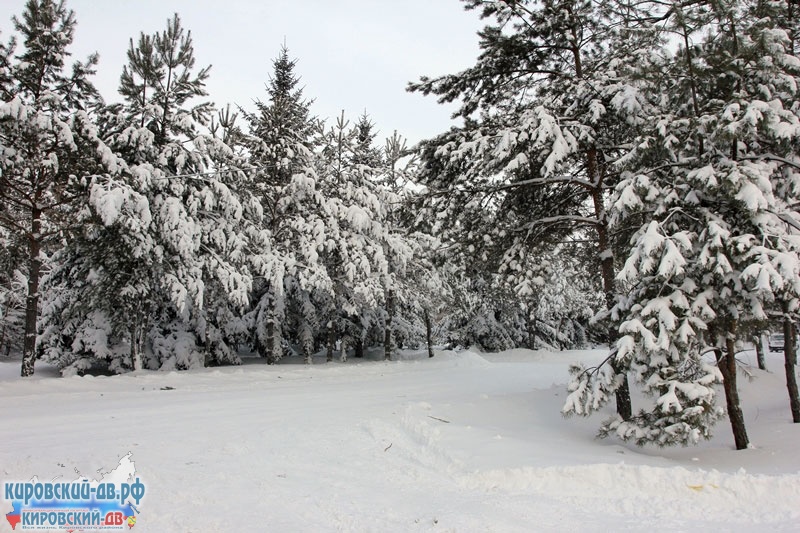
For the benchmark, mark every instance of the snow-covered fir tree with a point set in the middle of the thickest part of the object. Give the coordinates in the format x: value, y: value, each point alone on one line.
x: 325, y: 273
x: 281, y: 175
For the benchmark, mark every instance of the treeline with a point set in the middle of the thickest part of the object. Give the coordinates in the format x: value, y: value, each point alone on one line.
x: 161, y: 232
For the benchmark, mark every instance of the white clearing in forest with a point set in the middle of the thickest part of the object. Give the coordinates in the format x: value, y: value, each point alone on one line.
x: 462, y: 442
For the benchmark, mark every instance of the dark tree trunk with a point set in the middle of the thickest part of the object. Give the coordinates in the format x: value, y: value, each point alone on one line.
x: 727, y: 366
x: 137, y: 338
x: 32, y: 300
x: 387, y: 339
x: 623, y: 392
x: 596, y: 176
x: 331, y: 341
x: 3, y: 340
x: 270, y: 341
x: 759, y: 343
x: 208, y: 358
x: 428, y: 332
x: 358, y: 349
x: 790, y: 358
x: 273, y: 336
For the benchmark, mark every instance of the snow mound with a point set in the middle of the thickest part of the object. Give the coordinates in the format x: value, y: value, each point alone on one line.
x: 630, y: 490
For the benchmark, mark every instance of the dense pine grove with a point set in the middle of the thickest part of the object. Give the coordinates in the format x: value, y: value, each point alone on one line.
x: 620, y: 174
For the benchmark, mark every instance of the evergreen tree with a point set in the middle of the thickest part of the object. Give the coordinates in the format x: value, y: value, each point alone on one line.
x: 418, y: 290
x: 359, y: 244
x: 50, y: 142
x: 280, y: 145
x: 12, y: 292
x: 714, y: 174
x: 366, y: 153
x: 157, y: 277
x: 546, y: 110
x: 159, y: 81
x: 282, y: 128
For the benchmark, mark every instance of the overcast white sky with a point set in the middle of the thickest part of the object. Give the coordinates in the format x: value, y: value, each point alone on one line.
x: 352, y: 54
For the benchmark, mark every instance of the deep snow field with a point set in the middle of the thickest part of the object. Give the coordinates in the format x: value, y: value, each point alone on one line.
x: 462, y: 442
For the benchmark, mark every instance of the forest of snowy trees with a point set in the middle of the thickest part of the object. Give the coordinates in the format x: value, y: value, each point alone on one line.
x: 621, y: 174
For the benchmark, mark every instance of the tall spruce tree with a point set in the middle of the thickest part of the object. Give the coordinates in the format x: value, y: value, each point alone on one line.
x: 280, y: 145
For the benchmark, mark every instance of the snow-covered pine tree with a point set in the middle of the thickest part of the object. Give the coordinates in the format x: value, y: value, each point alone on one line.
x: 160, y: 264
x: 559, y: 298
x: 365, y: 256
x: 12, y: 292
x: 545, y: 113
x: 715, y: 177
x: 195, y: 199
x: 473, y: 239
x: 160, y: 81
x: 50, y: 142
x: 786, y: 16
x: 12, y: 249
x: 358, y: 241
x: 349, y: 314
x: 418, y: 288
x: 660, y: 319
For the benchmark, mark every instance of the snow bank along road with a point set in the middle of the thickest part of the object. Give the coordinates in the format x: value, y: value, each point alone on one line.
x: 462, y: 442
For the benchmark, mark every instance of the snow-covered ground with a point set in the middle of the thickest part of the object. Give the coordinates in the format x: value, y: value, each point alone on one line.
x: 461, y: 442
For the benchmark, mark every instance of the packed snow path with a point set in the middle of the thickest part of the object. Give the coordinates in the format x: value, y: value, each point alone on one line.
x: 462, y: 442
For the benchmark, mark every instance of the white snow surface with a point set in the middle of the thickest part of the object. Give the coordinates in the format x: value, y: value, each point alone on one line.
x: 463, y: 442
